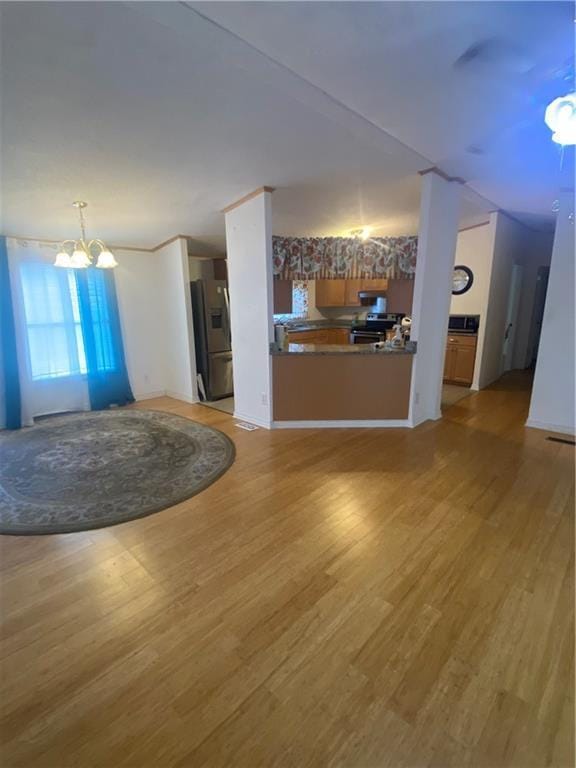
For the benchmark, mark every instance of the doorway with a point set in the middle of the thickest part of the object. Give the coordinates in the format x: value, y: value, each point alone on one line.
x: 537, y: 314
x: 512, y: 310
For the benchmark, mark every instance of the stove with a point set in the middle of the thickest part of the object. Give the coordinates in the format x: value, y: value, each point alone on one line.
x: 377, y: 323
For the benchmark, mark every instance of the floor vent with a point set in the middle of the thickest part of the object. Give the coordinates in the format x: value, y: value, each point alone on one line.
x: 561, y: 440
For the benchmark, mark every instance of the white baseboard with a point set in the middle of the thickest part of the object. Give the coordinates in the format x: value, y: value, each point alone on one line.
x: 351, y: 424
x: 180, y: 396
x: 561, y: 428
x: 252, y: 420
x: 149, y: 395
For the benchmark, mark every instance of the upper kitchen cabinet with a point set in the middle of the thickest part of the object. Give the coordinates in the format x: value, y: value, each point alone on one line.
x: 344, y: 293
x: 374, y: 285
x: 220, y: 269
x: 331, y: 293
x: 351, y: 292
x: 399, y: 296
x: 282, y: 297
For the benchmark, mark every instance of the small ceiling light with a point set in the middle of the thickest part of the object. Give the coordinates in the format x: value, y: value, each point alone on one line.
x: 82, y: 253
x: 63, y: 260
x: 362, y: 234
x: 79, y: 259
x: 560, y: 117
x: 106, y: 260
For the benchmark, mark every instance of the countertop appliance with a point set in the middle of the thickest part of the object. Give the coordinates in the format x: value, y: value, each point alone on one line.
x: 375, y: 328
x: 212, y: 337
x: 464, y: 324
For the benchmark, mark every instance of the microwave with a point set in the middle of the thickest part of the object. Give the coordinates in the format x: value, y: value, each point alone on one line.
x: 463, y: 323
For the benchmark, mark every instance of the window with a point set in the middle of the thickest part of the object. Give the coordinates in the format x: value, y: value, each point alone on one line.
x: 52, y: 308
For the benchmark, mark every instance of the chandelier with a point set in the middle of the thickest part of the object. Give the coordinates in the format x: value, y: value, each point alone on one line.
x: 82, y: 253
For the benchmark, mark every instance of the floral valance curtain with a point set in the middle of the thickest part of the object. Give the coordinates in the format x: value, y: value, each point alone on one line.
x: 321, y: 258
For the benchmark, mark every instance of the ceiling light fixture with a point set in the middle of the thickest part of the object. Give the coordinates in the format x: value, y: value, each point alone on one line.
x: 560, y: 117
x: 362, y: 234
x: 82, y: 253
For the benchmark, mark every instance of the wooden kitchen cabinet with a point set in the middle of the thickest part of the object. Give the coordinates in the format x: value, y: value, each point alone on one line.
x: 331, y: 293
x: 306, y: 337
x: 459, y: 360
x: 282, y: 297
x: 380, y: 284
x: 399, y: 296
x: 351, y: 292
x: 320, y: 336
x: 337, y: 336
x: 344, y: 293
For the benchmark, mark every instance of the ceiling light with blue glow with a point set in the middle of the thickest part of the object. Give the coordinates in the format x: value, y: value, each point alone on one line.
x: 560, y: 117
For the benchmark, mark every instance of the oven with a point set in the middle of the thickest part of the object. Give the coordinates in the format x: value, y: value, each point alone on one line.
x: 367, y: 337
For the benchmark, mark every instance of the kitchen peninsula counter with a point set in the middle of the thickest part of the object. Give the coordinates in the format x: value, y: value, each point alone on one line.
x: 340, y: 385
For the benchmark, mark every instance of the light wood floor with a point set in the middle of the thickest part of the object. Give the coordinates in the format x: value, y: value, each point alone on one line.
x: 363, y: 598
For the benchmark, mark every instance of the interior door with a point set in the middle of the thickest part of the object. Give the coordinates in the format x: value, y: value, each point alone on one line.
x: 537, y: 314
x: 512, y: 317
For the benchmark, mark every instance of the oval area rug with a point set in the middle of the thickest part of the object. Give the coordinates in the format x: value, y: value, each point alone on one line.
x: 90, y: 470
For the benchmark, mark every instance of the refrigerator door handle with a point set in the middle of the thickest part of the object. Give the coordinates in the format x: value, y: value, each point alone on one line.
x: 228, y: 328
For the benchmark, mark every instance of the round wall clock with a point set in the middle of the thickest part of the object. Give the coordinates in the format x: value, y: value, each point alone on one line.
x: 462, y: 280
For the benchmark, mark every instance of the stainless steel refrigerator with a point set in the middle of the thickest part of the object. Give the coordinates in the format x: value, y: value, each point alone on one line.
x: 212, y: 337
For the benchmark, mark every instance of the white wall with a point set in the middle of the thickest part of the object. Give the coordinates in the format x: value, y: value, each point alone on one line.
x: 143, y: 322
x: 249, y: 250
x: 178, y: 334
x: 156, y: 317
x: 473, y: 250
x: 552, y: 403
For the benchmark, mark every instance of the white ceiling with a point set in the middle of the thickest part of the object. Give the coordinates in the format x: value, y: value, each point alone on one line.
x: 159, y: 117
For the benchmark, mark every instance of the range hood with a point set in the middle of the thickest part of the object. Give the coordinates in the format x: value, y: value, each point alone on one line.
x: 372, y: 294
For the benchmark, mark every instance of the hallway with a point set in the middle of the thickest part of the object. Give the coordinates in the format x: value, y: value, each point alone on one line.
x: 339, y: 597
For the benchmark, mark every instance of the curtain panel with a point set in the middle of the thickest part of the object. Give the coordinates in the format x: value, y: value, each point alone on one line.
x: 325, y: 258
x: 67, y: 335
x: 10, y: 397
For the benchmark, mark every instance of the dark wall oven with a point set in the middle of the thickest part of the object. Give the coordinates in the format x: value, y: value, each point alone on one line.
x: 367, y: 337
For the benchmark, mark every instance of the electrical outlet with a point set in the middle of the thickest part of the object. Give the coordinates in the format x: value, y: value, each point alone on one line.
x: 264, y: 398
x: 417, y: 398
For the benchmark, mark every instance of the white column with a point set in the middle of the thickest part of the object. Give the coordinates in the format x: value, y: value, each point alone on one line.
x: 439, y: 209
x: 249, y: 254
x: 174, y: 293
x: 552, y: 402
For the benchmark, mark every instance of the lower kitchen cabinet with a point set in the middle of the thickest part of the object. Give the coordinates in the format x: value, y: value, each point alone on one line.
x: 459, y: 360
x: 320, y: 336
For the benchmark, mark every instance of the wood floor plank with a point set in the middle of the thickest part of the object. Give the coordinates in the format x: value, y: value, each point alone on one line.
x: 347, y: 598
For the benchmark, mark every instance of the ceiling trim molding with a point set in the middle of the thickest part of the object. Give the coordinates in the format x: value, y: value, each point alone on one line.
x: 247, y: 197
x: 167, y: 242
x: 440, y: 172
x: 474, y: 226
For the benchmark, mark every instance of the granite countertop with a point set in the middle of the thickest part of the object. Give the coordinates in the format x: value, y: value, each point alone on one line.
x: 338, y: 349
